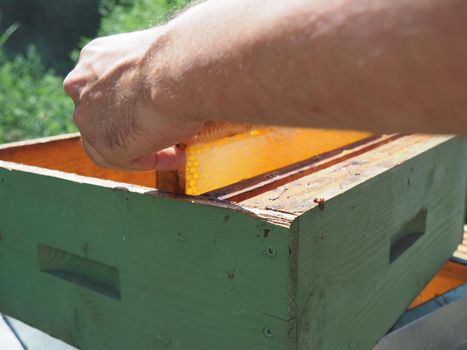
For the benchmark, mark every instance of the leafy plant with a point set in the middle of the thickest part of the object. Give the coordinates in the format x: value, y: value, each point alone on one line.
x: 121, y: 16
x: 8, y: 32
x: 129, y: 15
x: 32, y: 100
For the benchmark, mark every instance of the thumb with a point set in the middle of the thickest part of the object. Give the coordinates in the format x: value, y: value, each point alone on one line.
x: 171, y: 158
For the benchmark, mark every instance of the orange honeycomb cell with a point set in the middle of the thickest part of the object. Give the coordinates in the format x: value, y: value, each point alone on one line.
x: 218, y: 163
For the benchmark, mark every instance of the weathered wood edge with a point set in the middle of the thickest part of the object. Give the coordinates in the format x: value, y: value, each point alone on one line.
x: 262, y: 205
x: 272, y: 217
x: 87, y: 209
x: 301, y: 195
x: 65, y: 153
x: 170, y: 181
x: 293, y: 280
x: 265, y: 182
x: 281, y: 219
x: 432, y: 143
x: 39, y: 141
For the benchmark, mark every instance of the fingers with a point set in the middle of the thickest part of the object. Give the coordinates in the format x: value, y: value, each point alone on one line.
x: 126, y: 157
x: 73, y: 88
x: 172, y: 158
x: 120, y: 126
x: 96, y: 157
x: 81, y: 76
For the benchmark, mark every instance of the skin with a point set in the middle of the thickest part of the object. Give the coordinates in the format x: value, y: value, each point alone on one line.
x: 382, y: 66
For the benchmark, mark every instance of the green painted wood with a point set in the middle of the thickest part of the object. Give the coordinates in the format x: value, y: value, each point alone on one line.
x: 349, y: 293
x: 108, y: 269
x: 189, y: 276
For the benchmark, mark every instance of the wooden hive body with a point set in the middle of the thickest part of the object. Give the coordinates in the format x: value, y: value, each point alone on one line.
x: 265, y: 264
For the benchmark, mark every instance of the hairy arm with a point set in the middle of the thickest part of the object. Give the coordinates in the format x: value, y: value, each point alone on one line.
x: 383, y: 66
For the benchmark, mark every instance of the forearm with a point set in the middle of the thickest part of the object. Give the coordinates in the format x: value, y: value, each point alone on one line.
x: 362, y: 64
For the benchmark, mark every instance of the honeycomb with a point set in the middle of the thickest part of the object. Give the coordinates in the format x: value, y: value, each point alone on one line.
x: 216, y: 163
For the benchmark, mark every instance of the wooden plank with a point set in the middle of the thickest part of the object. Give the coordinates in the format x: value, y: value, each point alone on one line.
x: 255, y: 186
x: 271, y: 216
x: 297, y: 197
x: 191, y: 276
x: 64, y: 153
x: 451, y: 276
x: 213, y: 164
x: 347, y: 284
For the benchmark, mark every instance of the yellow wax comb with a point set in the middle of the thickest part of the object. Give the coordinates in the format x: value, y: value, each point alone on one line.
x: 225, y: 153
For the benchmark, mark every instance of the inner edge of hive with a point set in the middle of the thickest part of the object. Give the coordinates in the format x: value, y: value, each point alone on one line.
x: 236, y: 192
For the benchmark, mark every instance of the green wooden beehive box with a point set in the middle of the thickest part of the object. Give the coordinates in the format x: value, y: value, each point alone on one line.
x: 323, y: 255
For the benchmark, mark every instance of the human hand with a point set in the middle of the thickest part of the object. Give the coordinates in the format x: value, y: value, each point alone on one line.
x: 127, y: 117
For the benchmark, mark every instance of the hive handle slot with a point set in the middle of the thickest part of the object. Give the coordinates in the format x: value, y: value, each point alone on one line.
x: 87, y: 273
x: 410, y: 232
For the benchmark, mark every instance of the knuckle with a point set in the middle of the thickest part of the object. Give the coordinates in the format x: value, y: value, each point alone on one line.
x: 69, y: 84
x: 84, y: 126
x: 86, y: 51
x: 90, y: 45
x: 93, y: 154
x: 87, y: 47
x: 74, y: 84
x: 79, y: 117
x: 68, y: 81
x: 95, y: 159
x: 88, y: 151
x: 112, y: 157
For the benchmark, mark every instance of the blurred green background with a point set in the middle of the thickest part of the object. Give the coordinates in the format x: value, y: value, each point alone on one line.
x: 39, y: 44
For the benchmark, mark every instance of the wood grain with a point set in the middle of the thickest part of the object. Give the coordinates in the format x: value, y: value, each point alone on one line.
x: 346, y: 283
x: 451, y: 276
x: 65, y: 153
x: 275, y: 271
x: 192, y: 276
x: 253, y: 187
x: 297, y: 197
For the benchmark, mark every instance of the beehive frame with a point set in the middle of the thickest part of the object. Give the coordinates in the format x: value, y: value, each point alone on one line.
x: 214, y: 164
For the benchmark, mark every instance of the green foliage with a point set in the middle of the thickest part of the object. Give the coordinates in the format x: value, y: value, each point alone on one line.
x: 32, y: 101
x: 129, y: 15
x: 6, y: 35
x: 121, y: 16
